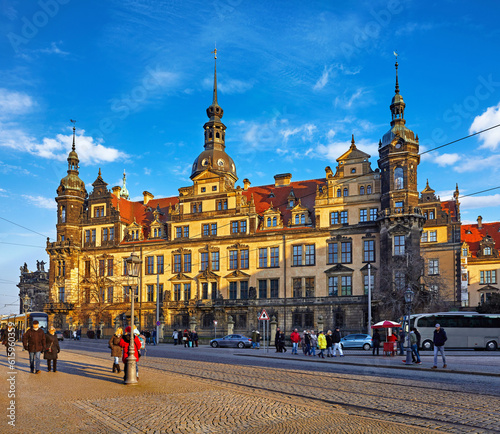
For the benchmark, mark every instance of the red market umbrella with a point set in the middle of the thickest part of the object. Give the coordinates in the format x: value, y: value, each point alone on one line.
x: 385, y: 325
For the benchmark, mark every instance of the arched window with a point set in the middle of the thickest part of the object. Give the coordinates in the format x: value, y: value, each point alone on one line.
x: 368, y: 189
x: 269, y: 221
x: 275, y: 221
x: 217, y: 135
x: 63, y: 214
x: 431, y: 215
x: 210, y: 135
x: 361, y: 190
x: 303, y: 219
x: 339, y: 193
x: 487, y: 250
x: 398, y: 178
x: 346, y: 192
x: 297, y: 219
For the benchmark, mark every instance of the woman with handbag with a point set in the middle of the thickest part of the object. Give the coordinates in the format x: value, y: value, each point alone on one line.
x: 51, y: 348
x: 116, y: 350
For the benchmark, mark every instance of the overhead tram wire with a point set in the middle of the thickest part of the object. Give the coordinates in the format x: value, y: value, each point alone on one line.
x: 22, y: 245
x: 24, y: 227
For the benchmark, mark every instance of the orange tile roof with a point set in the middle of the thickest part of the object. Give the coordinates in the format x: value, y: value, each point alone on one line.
x: 450, y: 207
x: 476, y: 235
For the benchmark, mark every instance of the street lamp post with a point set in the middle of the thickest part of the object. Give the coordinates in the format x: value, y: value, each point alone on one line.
x: 408, y: 300
x: 133, y: 268
x: 369, y: 300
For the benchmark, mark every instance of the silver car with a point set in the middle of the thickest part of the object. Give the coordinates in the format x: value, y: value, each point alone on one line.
x: 237, y: 341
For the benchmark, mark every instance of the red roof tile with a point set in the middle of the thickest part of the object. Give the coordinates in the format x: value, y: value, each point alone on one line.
x: 472, y: 235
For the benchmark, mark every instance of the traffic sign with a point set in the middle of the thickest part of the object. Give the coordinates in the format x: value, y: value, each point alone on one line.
x: 264, y: 316
x: 215, y: 322
x: 158, y: 323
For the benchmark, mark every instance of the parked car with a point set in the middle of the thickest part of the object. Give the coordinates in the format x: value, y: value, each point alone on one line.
x: 60, y: 336
x: 238, y: 341
x: 357, y: 341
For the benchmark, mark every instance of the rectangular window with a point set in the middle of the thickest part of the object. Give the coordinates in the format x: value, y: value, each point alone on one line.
x: 187, y: 291
x: 244, y: 290
x: 344, y: 217
x: 346, y: 288
x: 297, y: 255
x: 275, y: 257
x: 150, y: 293
x: 486, y: 277
x: 204, y: 290
x: 309, y: 286
x: 346, y: 252
x: 244, y: 259
x: 263, y: 258
x: 177, y: 292
x: 363, y: 215
x: 243, y: 227
x: 110, y: 267
x: 105, y: 234
x: 333, y: 286
x: 234, y: 227
x: 63, y: 268
x: 297, y: 287
x: 372, y: 283
x: 87, y: 236
x: 111, y: 297
x: 369, y: 251
x: 187, y: 262
x: 177, y: 263
x: 159, y: 264
x: 150, y: 264
x: 425, y: 237
x: 334, y: 218
x: 215, y: 261
x: 111, y: 234
x: 310, y: 254
x: 233, y: 259
x: 333, y: 253
x: 433, y: 236
x: 87, y: 268
x: 399, y: 280
x: 126, y: 294
x: 399, y: 245
x: 433, y: 267
x: 178, y: 232
x: 93, y: 235
x: 262, y: 288
x: 185, y: 231
x: 204, y: 261
x: 60, y: 295
x: 102, y: 267
x: 206, y: 230
x: 373, y: 214
x: 233, y: 290
x: 125, y: 272
x: 213, y: 229
x: 274, y: 287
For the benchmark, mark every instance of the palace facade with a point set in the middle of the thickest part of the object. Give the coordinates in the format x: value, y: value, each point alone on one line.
x: 306, y: 251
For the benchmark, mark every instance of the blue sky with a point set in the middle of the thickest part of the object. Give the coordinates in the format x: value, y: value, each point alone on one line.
x: 296, y: 79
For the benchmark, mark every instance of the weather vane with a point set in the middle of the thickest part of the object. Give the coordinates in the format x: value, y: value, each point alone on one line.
x: 215, y: 51
x: 73, y: 122
x: 396, y: 54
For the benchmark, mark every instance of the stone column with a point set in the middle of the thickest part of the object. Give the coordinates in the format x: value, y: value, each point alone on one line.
x: 161, y: 335
x: 192, y: 323
x: 274, y: 324
x: 230, y: 325
x: 320, y: 323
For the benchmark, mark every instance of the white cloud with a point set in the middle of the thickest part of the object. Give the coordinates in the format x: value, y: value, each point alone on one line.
x: 14, y: 103
x: 478, y: 202
x: 446, y: 159
x: 54, y: 49
x: 229, y: 86
x: 323, y: 80
x: 89, y: 150
x: 307, y: 131
x: 147, y: 171
x: 471, y: 164
x: 490, y: 139
x: 334, y: 150
x: 40, y: 201
x: 346, y: 102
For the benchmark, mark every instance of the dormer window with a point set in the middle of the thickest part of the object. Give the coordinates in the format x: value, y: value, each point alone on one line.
x: 99, y: 211
x: 269, y: 222
x: 275, y: 221
x: 487, y: 251
x: 291, y: 204
x: 431, y: 215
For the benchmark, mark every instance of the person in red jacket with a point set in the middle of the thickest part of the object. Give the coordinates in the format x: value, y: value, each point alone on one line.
x: 295, y: 338
x: 125, y: 343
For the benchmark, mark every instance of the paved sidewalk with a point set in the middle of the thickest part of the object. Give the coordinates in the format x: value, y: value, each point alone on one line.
x: 85, y: 396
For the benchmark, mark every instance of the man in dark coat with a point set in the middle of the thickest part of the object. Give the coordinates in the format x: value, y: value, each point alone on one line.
x: 336, y: 337
x: 376, y: 342
x: 439, y: 339
x: 52, y: 348
x: 277, y: 339
x: 34, y: 343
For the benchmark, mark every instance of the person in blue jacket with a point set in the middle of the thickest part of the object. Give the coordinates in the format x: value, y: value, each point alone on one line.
x: 439, y: 340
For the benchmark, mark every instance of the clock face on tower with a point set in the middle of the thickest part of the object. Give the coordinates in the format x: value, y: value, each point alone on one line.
x: 398, y: 145
x: 220, y: 162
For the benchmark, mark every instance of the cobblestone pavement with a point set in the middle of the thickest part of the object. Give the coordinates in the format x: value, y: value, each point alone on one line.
x: 189, y: 396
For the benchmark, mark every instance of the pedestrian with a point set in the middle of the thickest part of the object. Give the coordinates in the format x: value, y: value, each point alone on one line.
x: 282, y: 343
x: 79, y: 334
x: 439, y: 339
x: 414, y: 346
x: 175, y: 336
x: 4, y: 338
x: 401, y: 342
x: 255, y: 339
x: 329, y: 343
x: 194, y: 337
x: 147, y: 335
x: 34, y: 343
x: 125, y: 344
x: 336, y: 343
x: 295, y: 338
x: 419, y: 337
x: 321, y: 344
x: 52, y: 349
x: 74, y: 335
x: 98, y: 333
x: 314, y: 343
x: 116, y: 350
x: 376, y: 342
x: 185, y: 338
x: 153, y: 336
x: 307, y: 341
x: 277, y: 339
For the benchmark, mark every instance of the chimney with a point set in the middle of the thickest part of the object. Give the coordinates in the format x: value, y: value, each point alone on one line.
x: 116, y: 191
x: 282, y: 179
x: 246, y: 184
x: 147, y: 197
x: 479, y: 222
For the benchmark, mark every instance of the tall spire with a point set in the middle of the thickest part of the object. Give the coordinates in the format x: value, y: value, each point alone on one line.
x: 398, y: 105
x: 397, y: 83
x: 74, y: 133
x: 124, y: 191
x: 215, y: 112
x: 215, y: 75
x: 73, y: 160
